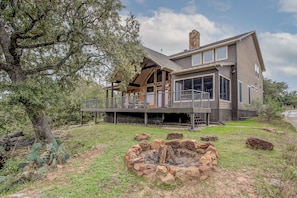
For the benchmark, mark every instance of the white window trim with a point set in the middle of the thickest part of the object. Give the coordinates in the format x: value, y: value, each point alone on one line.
x: 213, y: 85
x: 212, y: 60
x: 200, y: 59
x: 221, y: 100
x: 226, y: 53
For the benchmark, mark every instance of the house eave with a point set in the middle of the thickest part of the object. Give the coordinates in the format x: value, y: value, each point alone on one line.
x: 210, y: 46
x: 202, y: 68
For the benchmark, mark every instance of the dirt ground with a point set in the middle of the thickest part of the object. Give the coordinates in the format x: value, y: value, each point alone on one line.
x: 220, y: 184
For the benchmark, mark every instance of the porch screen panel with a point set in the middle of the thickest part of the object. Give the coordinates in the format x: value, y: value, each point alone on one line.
x: 208, y: 85
x: 224, y: 89
x: 187, y: 90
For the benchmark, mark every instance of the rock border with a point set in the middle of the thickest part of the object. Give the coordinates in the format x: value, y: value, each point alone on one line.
x: 168, y: 174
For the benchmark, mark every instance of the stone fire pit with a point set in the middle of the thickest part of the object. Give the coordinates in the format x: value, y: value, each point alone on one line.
x: 173, y: 160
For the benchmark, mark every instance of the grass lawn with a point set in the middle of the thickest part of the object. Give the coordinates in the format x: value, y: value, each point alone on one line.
x: 242, y: 172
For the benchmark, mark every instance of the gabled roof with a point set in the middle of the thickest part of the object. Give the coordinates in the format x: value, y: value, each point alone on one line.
x: 161, y: 60
x: 221, y: 43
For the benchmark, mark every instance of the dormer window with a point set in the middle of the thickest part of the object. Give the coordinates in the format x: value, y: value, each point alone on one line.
x: 208, y: 56
x: 221, y: 53
x: 196, y: 59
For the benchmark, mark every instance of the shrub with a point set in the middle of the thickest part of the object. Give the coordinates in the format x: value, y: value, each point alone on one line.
x: 268, y: 111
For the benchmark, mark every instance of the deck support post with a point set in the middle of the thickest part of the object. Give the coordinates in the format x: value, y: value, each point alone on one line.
x: 95, y: 117
x: 192, y: 121
x: 115, y: 117
x: 81, y: 118
x: 145, y: 119
x: 207, y: 119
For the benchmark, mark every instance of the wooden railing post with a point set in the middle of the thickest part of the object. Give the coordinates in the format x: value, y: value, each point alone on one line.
x: 193, y: 98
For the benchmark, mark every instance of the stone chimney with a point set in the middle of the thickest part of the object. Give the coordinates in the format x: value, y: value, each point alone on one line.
x: 194, y: 39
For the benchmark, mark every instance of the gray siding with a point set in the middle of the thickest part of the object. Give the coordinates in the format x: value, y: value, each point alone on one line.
x: 246, y: 60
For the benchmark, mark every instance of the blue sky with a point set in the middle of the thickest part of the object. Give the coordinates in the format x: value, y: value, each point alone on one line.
x: 165, y: 25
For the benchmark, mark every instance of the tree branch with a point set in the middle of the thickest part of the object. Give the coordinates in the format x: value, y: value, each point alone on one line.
x: 4, y: 66
x: 36, y: 45
x: 48, y: 67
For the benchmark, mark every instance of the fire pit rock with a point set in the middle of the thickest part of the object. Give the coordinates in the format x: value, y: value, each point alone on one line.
x: 170, y: 161
x: 209, y: 138
x: 141, y: 136
x: 175, y: 135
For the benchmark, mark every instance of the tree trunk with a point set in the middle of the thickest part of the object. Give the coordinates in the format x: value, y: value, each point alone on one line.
x: 41, y: 128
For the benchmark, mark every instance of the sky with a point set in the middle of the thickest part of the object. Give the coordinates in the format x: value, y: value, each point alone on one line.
x: 165, y: 27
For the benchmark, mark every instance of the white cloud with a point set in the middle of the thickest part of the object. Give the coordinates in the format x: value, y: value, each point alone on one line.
x: 288, y: 6
x: 169, y: 31
x: 190, y: 8
x: 280, y: 53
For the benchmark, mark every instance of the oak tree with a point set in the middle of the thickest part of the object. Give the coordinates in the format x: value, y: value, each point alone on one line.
x: 46, y: 44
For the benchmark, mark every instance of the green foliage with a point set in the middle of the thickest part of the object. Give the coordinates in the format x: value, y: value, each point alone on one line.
x: 67, y: 109
x: 48, y: 45
x: 275, y: 90
x: 37, y: 163
x: 271, y: 110
x: 279, y: 92
x: 13, y: 119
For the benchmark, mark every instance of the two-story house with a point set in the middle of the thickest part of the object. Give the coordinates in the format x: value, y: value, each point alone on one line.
x: 210, y: 83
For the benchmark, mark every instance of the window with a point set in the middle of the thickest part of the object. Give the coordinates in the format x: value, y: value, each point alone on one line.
x: 187, y: 84
x: 221, y: 53
x: 151, y: 79
x: 204, y: 83
x: 196, y: 59
x: 178, y: 88
x: 150, y: 95
x: 159, y: 75
x: 208, y: 56
x: 240, y: 91
x: 208, y: 85
x: 257, y: 71
x: 224, y: 89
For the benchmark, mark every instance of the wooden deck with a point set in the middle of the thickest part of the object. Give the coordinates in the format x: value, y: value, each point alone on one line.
x: 195, y: 103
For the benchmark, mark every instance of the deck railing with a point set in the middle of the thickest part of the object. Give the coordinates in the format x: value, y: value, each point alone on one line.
x: 182, y: 99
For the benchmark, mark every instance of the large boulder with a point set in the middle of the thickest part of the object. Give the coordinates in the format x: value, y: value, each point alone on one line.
x: 257, y: 143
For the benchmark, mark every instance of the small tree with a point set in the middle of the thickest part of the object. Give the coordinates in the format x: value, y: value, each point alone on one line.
x: 271, y: 110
